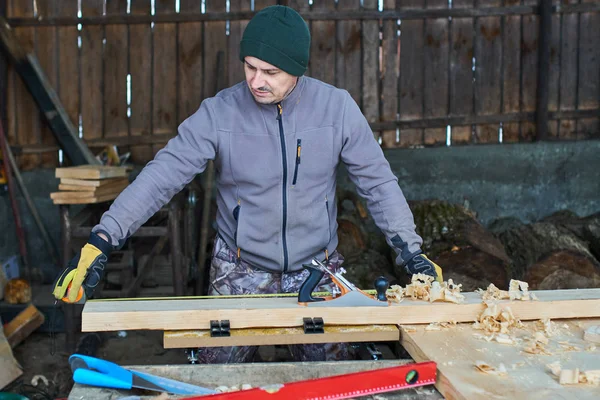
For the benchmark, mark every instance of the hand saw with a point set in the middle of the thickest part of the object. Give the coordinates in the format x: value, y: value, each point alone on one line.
x: 349, y: 295
x: 340, y: 386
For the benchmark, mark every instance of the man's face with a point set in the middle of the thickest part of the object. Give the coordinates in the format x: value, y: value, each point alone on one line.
x: 268, y: 84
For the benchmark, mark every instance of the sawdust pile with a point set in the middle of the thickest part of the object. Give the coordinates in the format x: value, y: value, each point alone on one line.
x: 574, y: 376
x: 423, y: 287
x: 517, y: 290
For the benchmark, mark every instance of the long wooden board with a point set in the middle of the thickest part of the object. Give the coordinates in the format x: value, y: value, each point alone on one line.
x: 91, y: 172
x: 457, y: 349
x: 275, y: 336
x: 250, y: 312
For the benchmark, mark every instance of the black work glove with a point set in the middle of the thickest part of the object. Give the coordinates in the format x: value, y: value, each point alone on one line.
x: 420, y: 264
x: 85, y: 269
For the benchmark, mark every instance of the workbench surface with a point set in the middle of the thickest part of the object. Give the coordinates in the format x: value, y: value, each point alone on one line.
x: 255, y: 374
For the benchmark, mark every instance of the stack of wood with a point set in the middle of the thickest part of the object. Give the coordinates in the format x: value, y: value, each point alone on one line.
x: 87, y: 184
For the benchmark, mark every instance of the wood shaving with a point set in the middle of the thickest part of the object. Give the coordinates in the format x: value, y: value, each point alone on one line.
x: 535, y: 347
x: 446, y: 291
x: 574, y: 376
x: 547, y: 326
x: 395, y: 293
x: 566, y: 346
x: 423, y: 287
x: 438, y: 326
x: 518, y: 290
x: 409, y: 329
x: 495, y: 319
x: 540, y: 337
x: 504, y: 339
x: 484, y: 367
x: 493, y: 293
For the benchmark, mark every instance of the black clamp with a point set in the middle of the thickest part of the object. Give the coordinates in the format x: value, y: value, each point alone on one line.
x: 313, y: 325
x: 219, y: 328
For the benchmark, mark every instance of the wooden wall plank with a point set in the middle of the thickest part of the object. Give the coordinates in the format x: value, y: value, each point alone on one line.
x: 568, y: 72
x: 529, y: 62
x: 370, y: 66
x: 27, y: 129
x: 140, y: 68
x: 488, y: 68
x: 322, y: 54
x: 554, y: 76
x: 589, y: 72
x: 189, y: 44
x: 68, y: 60
x: 116, y: 49
x: 511, y: 76
x: 164, y: 79
x: 411, y: 73
x: 235, y: 68
x: 436, y: 72
x: 260, y: 4
x: 92, y: 86
x: 461, y: 72
x: 348, y: 61
x: 215, y: 40
x: 47, y: 55
x: 389, y: 75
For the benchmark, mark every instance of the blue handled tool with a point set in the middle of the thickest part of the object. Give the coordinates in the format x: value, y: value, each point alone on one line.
x: 96, y: 372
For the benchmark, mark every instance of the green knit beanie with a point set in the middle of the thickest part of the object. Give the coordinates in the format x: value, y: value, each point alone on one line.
x: 278, y: 35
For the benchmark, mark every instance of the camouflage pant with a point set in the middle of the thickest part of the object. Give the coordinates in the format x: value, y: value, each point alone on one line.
x: 230, y: 276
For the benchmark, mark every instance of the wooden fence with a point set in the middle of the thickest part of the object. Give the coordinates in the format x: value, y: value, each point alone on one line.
x: 424, y: 72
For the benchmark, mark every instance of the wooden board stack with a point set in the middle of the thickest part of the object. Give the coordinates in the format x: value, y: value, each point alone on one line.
x: 88, y: 184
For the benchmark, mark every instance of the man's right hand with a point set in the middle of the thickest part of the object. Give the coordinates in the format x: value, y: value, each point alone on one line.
x: 86, y: 268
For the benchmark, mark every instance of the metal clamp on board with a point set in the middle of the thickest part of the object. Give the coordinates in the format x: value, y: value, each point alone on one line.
x: 219, y: 328
x: 313, y: 325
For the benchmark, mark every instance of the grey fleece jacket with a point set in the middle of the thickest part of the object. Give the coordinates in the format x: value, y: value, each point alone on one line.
x: 275, y: 175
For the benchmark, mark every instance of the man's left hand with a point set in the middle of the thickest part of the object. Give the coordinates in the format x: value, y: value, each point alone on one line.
x: 420, y: 264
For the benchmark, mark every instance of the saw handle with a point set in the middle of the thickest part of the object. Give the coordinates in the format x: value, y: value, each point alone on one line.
x: 310, y: 284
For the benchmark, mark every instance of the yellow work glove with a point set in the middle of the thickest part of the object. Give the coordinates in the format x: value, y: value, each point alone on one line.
x: 420, y: 264
x: 84, y: 270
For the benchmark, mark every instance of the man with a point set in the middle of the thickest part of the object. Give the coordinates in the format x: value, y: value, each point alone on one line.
x: 276, y: 140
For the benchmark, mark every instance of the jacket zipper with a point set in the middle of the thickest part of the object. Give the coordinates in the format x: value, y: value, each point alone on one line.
x: 284, y: 159
x: 328, y: 227
x: 298, y: 151
x: 236, y: 215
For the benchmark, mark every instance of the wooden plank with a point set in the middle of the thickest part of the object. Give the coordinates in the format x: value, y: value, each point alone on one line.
x: 568, y: 73
x: 117, y: 186
x: 511, y: 76
x: 91, y: 183
x: 116, y: 122
x: 27, y: 128
x: 92, y: 87
x: 276, y: 336
x: 164, y: 79
x: 529, y: 63
x: 87, y: 200
x: 370, y: 65
x: 456, y: 351
x: 23, y: 325
x: 436, y: 73
x: 66, y: 194
x: 91, y: 172
x: 389, y: 75
x: 9, y: 367
x: 554, y: 74
x: 178, y: 314
x: 190, y: 67
x: 68, y: 61
x: 140, y: 61
x: 589, y: 72
x: 411, y: 73
x: 47, y: 55
x: 348, y: 64
x: 215, y: 40
x: 488, y: 64
x: 235, y: 68
x: 461, y: 73
x: 322, y: 49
